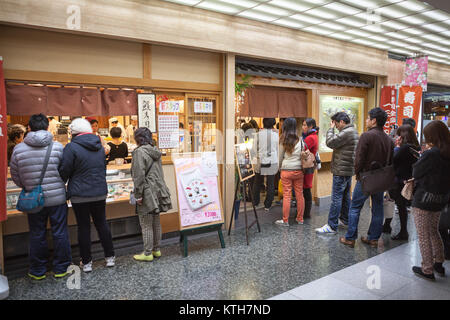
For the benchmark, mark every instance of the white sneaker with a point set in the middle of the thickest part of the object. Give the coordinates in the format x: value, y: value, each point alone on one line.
x: 282, y: 223
x: 326, y: 229
x: 110, y: 261
x: 86, y: 267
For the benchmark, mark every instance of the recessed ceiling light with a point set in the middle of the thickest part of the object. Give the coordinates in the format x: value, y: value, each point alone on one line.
x: 412, y: 20
x: 434, y: 27
x: 340, y: 36
x: 394, y: 25
x: 224, y: 8
x: 316, y: 1
x: 445, y: 33
x: 381, y: 46
x: 398, y: 50
x: 339, y: 7
x: 397, y: 35
x: 321, y: 13
x: 414, y: 40
x: 413, y: 31
x: 353, y: 22
x: 412, y: 5
x: 321, y: 31
x: 292, y: 5
x: 436, y: 47
x: 397, y: 43
x: 437, y: 15
x: 306, y: 18
x: 370, y: 17
x: 434, y: 53
x: 378, y: 38
x: 288, y: 23
x: 363, y: 3
x: 358, y: 33
x: 257, y: 15
x: 272, y: 10
x: 333, y: 26
x: 241, y: 3
x: 377, y: 28
x: 433, y: 37
x: 364, y: 42
x: 392, y: 12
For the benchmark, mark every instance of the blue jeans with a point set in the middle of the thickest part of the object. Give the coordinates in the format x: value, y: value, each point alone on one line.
x: 376, y: 224
x: 340, y: 197
x: 38, y: 254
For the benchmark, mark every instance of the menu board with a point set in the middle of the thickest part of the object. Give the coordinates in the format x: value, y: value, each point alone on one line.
x: 197, y: 189
x: 330, y: 105
x: 168, y: 132
x: 244, y: 162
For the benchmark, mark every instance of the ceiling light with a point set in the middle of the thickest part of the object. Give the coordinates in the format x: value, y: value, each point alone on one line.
x: 412, y: 20
x: 437, y: 15
x: 322, y: 13
x: 317, y: 30
x: 369, y: 17
x: 358, y: 33
x: 397, y: 35
x: 412, y: 5
x: 316, y: 1
x: 293, y: 5
x: 305, y: 18
x: 353, y: 22
x: 288, y: 23
x: 241, y: 3
x: 381, y: 46
x: 374, y: 28
x: 364, y: 42
x: 186, y: 2
x: 401, y: 51
x: 394, y: 25
x: 391, y: 12
x: 398, y: 43
x: 446, y: 33
x: 431, y: 58
x: 414, y: 40
x: 272, y: 10
x: 257, y: 16
x: 434, y: 53
x: 378, y: 38
x: 340, y: 36
x: 336, y: 6
x: 332, y: 25
x: 434, y: 27
x: 363, y: 3
x: 224, y: 8
x: 414, y: 48
x: 413, y: 31
x: 436, y: 47
x: 434, y: 37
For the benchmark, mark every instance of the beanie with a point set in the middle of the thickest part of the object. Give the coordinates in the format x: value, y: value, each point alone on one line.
x: 80, y: 125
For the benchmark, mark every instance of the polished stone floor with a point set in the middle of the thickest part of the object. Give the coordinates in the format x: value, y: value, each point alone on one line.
x: 278, y: 259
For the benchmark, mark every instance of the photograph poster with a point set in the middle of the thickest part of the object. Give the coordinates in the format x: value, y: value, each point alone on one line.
x: 198, y: 191
x: 244, y: 163
x: 147, y: 111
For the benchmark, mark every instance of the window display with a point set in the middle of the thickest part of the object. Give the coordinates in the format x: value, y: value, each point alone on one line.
x: 329, y: 105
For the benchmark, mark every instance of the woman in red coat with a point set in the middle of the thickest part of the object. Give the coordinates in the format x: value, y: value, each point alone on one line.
x: 311, y: 139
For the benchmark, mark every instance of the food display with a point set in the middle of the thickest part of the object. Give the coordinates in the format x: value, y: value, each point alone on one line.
x: 195, y: 189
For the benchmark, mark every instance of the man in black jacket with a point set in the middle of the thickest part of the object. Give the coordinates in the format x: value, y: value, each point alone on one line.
x: 373, y: 150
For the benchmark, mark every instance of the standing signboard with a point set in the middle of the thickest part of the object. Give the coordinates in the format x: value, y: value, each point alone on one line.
x: 243, y: 158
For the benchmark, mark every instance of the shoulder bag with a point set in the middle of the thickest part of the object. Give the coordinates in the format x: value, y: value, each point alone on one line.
x: 308, y: 159
x: 408, y: 189
x: 378, y: 180
x: 33, y: 201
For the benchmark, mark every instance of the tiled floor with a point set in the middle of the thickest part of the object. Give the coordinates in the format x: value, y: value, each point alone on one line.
x: 396, y: 281
x: 289, y: 261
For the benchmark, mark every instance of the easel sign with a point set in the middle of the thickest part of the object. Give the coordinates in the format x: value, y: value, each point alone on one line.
x: 197, y: 191
x: 243, y: 158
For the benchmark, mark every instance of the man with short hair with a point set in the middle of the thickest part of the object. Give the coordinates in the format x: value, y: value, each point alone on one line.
x: 343, y: 144
x: 409, y: 121
x: 373, y: 150
x: 27, y: 163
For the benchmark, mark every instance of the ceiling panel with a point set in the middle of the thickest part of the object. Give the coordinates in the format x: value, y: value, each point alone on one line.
x: 401, y: 26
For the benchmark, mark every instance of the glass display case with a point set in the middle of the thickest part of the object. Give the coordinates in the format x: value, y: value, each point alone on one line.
x: 329, y: 105
x: 118, y: 178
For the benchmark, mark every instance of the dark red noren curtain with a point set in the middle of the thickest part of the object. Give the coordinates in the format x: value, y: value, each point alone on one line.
x: 269, y: 102
x: 119, y: 102
x: 25, y: 100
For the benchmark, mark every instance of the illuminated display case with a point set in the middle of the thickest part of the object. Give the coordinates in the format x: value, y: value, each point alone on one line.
x: 331, y: 104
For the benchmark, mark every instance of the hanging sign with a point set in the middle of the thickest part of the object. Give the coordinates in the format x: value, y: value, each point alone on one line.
x: 197, y: 189
x: 168, y: 132
x: 3, y: 143
x: 171, y: 106
x: 388, y: 104
x: 416, y: 72
x: 409, y: 102
x: 147, y: 111
x: 203, y: 107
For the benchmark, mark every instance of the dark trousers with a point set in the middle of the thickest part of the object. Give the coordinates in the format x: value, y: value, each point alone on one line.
x: 259, y: 180
x: 308, y: 202
x: 444, y: 230
x: 402, y: 206
x: 39, y: 252
x: 83, y: 213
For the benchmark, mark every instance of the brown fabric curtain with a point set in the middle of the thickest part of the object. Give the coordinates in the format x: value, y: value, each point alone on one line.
x: 91, y: 102
x: 266, y: 102
x: 24, y: 100
x: 119, y: 102
x: 64, y: 101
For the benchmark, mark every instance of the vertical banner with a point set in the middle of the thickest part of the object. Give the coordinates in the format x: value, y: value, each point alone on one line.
x: 147, y: 111
x: 388, y: 103
x: 3, y: 143
x: 416, y: 72
x: 409, y: 103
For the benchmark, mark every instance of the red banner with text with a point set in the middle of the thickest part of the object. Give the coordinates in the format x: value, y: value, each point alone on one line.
x: 388, y: 104
x: 409, y: 101
x: 3, y: 144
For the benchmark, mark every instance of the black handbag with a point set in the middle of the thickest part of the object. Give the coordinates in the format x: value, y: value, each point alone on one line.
x: 378, y: 180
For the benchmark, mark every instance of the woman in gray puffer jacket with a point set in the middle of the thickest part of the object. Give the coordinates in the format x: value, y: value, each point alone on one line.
x: 151, y: 192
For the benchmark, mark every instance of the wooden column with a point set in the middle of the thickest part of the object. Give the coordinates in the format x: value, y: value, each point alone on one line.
x: 229, y: 114
x: 146, y: 61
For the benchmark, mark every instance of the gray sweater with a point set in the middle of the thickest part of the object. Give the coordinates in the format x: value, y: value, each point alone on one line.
x: 27, y: 162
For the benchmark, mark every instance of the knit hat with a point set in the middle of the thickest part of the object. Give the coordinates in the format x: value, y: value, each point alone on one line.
x: 80, y: 125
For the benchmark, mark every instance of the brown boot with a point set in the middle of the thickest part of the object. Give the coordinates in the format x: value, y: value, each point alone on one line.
x: 372, y: 243
x: 350, y: 243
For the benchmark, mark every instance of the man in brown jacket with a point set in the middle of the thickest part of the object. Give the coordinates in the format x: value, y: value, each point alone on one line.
x: 375, y: 150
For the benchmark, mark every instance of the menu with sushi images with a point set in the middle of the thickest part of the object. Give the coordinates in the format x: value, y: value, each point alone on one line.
x: 198, y: 192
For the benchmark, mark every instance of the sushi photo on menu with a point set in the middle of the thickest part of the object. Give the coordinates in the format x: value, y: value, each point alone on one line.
x: 195, y: 189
